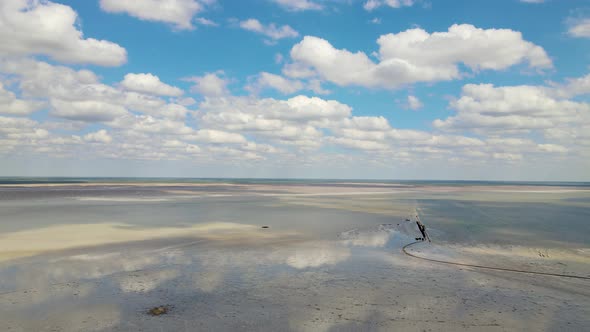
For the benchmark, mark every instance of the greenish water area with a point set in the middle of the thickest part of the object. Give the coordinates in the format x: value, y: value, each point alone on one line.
x: 544, y: 223
x: 537, y: 218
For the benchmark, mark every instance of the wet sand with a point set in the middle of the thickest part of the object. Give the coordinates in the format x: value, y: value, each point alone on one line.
x: 330, y: 260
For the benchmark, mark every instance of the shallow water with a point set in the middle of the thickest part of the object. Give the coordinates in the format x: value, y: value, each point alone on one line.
x: 330, y: 259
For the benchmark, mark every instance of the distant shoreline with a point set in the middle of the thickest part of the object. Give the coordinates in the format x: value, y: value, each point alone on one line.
x: 19, y: 180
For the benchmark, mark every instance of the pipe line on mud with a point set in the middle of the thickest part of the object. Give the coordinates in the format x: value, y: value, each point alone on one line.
x: 489, y: 267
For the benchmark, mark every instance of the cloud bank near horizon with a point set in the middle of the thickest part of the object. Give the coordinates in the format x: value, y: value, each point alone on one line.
x: 70, y: 99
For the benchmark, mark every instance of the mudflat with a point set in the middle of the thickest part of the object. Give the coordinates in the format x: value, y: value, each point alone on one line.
x: 292, y: 256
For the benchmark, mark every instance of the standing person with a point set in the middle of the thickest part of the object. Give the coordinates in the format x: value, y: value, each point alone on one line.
x: 422, y: 229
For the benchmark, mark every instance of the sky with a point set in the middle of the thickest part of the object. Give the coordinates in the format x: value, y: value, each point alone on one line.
x: 371, y: 89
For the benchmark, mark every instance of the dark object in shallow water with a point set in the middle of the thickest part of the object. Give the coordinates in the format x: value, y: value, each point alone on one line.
x: 407, y: 219
x: 422, y: 229
x: 264, y: 226
x: 157, y: 311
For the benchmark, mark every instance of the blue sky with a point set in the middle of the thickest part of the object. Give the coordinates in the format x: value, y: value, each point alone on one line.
x: 393, y: 89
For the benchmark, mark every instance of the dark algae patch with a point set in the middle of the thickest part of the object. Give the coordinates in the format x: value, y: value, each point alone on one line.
x: 158, y: 311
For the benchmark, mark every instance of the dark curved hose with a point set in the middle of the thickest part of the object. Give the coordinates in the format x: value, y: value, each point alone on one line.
x: 489, y: 267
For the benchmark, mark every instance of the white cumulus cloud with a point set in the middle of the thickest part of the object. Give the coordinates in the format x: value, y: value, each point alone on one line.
x: 101, y: 136
x: 298, y: 5
x: 206, y: 22
x: 210, y: 84
x: 271, y: 30
x: 266, y: 80
x: 150, y: 84
x: 580, y: 29
x: 413, y: 103
x: 79, y: 95
x: 486, y: 107
x: 47, y: 28
x: 416, y: 56
x: 11, y: 105
x: 86, y: 110
x: 541, y: 119
x: 179, y: 13
x: 371, y: 5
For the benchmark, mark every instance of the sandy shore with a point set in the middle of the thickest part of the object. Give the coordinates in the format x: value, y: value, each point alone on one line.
x: 60, y: 237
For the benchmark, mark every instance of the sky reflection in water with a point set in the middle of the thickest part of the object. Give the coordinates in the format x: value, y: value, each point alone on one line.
x: 327, y: 262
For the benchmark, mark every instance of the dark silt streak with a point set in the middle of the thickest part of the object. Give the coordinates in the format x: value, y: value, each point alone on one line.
x: 496, y: 268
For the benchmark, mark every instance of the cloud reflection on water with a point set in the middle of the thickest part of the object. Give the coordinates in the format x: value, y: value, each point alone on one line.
x: 354, y: 281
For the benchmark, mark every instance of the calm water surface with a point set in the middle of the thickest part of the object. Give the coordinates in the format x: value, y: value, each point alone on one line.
x: 326, y: 262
